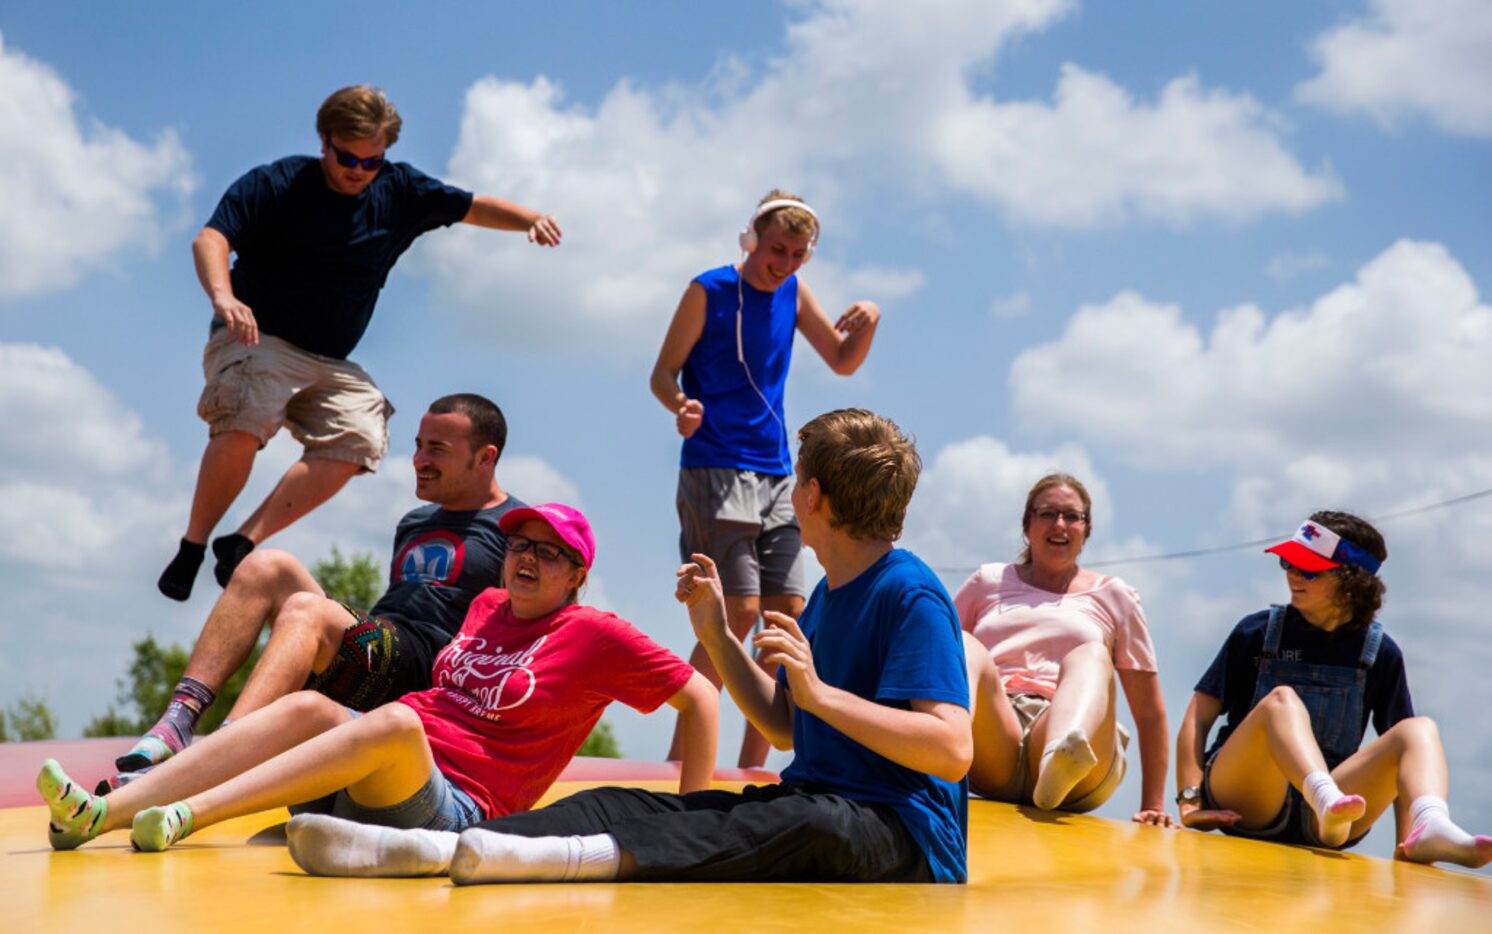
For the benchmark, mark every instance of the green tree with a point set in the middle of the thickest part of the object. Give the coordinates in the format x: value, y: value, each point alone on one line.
x: 357, y: 582
x: 29, y: 718
x: 601, y: 743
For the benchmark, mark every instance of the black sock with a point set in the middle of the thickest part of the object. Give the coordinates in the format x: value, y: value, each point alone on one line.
x: 230, y: 549
x: 176, y: 580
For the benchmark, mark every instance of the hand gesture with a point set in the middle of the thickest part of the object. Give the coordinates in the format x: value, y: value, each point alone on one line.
x: 1210, y: 819
x: 238, y: 317
x: 545, y: 231
x: 858, y: 317
x: 1155, y: 818
x: 689, y: 417
x: 781, y: 642
x: 698, y: 588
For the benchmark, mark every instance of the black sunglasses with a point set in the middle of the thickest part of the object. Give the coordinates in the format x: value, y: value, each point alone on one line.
x: 1308, y: 575
x: 349, y: 161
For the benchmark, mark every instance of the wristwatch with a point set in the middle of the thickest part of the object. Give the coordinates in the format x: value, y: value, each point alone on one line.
x: 1191, y: 794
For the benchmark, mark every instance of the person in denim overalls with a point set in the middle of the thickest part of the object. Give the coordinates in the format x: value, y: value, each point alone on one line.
x: 1298, y: 684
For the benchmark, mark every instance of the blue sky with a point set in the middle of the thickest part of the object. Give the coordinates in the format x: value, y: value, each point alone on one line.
x: 1226, y: 267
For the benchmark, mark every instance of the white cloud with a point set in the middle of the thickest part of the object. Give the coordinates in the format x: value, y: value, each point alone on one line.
x: 74, y: 194
x: 1409, y: 58
x: 1392, y: 361
x: 652, y: 183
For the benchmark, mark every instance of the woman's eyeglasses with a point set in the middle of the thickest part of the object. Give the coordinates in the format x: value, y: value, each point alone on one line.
x: 547, y: 551
x: 1066, y: 515
x: 349, y: 161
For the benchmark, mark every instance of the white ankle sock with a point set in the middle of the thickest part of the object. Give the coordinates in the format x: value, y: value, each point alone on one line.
x: 1065, y: 762
x: 1335, y: 811
x: 1435, y: 837
x: 489, y: 856
x: 323, y: 845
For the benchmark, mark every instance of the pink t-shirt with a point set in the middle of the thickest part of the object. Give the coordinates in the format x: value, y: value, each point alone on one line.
x: 1028, y: 631
x: 513, y: 699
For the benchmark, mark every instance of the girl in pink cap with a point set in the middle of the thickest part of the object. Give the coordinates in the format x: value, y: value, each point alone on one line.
x: 1297, y: 685
x: 515, y: 694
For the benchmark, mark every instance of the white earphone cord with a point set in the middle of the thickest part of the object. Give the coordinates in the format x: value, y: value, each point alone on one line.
x: 741, y: 357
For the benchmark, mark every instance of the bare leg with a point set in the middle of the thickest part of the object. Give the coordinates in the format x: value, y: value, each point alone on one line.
x: 997, y: 731
x: 1272, y: 749
x: 264, y: 581
x: 308, y: 483
x: 303, y: 638
x: 1080, y: 722
x: 754, y: 746
x: 220, y: 756
x: 226, y: 464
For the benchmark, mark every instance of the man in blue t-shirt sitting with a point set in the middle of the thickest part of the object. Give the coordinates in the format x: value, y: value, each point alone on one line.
x: 445, y: 553
x: 730, y: 342
x: 871, y: 696
x: 315, y: 240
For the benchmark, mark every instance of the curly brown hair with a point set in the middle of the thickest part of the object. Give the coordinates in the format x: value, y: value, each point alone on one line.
x: 1358, y: 590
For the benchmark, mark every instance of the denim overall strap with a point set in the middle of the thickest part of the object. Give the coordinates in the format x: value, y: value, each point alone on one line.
x: 1273, y: 632
x: 1370, y: 646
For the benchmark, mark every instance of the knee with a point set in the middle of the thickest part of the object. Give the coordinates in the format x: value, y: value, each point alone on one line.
x: 314, y: 615
x: 310, y: 707
x: 395, y: 721
x: 1090, y: 655
x: 1282, y: 697
x: 263, y: 569
x: 1416, y: 731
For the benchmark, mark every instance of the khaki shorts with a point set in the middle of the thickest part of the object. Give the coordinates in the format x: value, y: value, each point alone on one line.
x: 330, y: 406
x: 744, y: 521
x: 1018, y: 790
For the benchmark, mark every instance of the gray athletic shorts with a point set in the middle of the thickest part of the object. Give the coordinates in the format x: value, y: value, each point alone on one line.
x: 744, y: 521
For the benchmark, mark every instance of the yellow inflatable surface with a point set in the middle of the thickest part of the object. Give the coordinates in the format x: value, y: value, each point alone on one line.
x: 1029, y: 871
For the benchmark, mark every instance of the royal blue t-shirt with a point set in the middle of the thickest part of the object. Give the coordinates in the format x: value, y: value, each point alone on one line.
x: 741, y: 430
x: 891, y: 635
x: 1232, y: 676
x: 311, y: 262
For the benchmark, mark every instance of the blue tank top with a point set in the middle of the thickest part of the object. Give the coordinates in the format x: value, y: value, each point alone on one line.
x: 741, y: 429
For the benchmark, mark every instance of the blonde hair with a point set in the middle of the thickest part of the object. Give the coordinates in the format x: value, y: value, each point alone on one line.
x: 794, y: 220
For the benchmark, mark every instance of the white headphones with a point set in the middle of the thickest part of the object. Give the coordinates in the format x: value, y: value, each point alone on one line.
x: 748, y: 238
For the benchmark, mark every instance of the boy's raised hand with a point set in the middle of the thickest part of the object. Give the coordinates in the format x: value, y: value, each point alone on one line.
x: 699, y: 589
x: 780, y: 641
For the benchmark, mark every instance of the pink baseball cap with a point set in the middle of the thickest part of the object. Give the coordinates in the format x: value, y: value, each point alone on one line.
x: 566, y: 521
x: 1315, y: 548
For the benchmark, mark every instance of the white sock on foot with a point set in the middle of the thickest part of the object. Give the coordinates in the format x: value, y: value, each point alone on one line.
x: 323, y: 845
x: 1435, y: 837
x: 1335, y: 811
x: 1064, y: 763
x: 489, y: 856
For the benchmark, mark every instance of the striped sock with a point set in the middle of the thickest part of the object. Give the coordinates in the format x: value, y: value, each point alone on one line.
x: 173, y: 732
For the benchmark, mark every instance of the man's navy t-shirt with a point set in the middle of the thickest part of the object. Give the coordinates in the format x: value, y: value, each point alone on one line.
x: 311, y: 261
x: 1233, y: 674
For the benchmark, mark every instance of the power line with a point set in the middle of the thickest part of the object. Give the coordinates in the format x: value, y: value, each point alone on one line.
x: 1257, y: 543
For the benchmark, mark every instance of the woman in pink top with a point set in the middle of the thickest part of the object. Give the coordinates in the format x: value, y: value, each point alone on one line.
x: 1044, y: 639
x: 515, y: 694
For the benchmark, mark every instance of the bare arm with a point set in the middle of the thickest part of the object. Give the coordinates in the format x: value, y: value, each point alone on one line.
x: 845, y: 343
x: 698, y: 704
x: 210, y: 252
x: 934, y: 737
x: 497, y: 214
x: 1148, y: 707
x: 684, y: 331
x: 1191, y: 741
x: 758, y: 695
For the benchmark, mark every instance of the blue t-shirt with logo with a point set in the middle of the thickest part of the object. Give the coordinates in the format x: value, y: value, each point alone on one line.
x: 442, y: 559
x: 311, y: 261
x: 741, y: 429
x: 891, y: 635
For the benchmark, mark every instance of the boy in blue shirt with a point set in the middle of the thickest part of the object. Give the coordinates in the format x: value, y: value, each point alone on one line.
x: 871, y: 695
